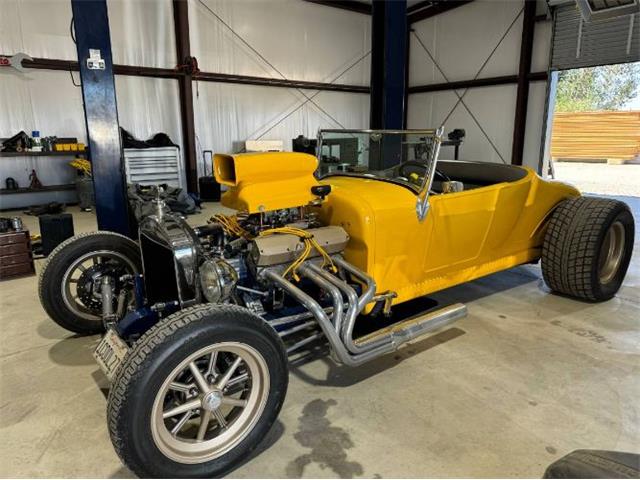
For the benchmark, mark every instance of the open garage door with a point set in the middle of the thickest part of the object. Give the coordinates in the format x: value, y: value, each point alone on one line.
x: 578, y: 43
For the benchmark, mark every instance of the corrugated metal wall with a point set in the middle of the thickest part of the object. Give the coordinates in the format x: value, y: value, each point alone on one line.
x: 303, y: 41
x: 460, y: 41
x: 280, y: 39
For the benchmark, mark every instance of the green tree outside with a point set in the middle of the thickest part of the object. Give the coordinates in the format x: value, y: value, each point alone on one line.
x: 608, y: 87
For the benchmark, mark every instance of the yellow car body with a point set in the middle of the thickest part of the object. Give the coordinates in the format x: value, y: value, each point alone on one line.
x: 464, y: 236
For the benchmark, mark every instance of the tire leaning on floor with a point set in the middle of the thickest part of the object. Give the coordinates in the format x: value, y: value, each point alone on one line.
x: 587, y: 247
x: 214, y: 365
x: 55, y: 285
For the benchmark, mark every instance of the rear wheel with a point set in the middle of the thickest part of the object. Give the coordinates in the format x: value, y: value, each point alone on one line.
x: 69, y: 285
x: 587, y: 247
x: 198, y: 393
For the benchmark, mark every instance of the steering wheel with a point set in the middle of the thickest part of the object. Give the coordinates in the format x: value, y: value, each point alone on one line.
x: 414, y: 163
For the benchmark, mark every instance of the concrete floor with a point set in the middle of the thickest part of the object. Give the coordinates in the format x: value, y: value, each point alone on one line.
x: 601, y: 178
x: 526, y: 378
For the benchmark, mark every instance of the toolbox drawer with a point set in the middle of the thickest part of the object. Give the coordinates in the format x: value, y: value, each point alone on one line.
x: 15, y: 255
x: 13, y: 248
x: 9, y: 271
x: 15, y: 259
x: 11, y: 238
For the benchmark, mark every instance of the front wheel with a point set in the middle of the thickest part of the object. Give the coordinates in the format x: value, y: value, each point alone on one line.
x: 197, y: 393
x: 69, y: 285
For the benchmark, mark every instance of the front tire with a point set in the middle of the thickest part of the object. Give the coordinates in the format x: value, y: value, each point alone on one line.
x: 587, y: 247
x: 198, y: 393
x: 68, y: 284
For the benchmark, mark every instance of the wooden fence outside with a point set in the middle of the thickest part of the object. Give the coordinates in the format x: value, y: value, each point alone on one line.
x: 596, y: 136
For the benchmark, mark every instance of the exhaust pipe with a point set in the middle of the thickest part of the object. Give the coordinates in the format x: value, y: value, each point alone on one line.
x: 407, y: 330
x: 325, y: 324
x: 353, y: 311
x: 336, y: 296
x: 397, y: 334
x: 356, y: 352
x: 312, y: 272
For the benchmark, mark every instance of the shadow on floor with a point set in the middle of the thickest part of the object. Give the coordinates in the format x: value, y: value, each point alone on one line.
x: 74, y: 350
x: 500, y: 282
x: 122, y: 472
x: 341, y: 376
x: 486, y: 286
x: 49, y: 329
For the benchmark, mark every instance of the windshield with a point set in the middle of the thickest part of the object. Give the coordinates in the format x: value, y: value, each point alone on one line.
x: 405, y: 157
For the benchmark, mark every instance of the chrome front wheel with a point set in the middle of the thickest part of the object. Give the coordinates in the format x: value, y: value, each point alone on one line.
x: 210, y: 402
x: 197, y: 393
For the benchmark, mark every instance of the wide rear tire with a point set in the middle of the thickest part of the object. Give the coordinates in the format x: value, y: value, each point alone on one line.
x: 587, y: 248
x: 150, y: 429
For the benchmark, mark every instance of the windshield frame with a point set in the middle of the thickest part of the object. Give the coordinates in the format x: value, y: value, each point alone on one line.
x: 422, y: 193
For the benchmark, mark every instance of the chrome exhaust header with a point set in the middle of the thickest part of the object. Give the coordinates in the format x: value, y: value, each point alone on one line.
x: 323, y: 320
x: 338, y: 329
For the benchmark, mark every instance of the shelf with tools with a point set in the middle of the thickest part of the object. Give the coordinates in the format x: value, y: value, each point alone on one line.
x: 44, y: 188
x: 49, y: 167
x: 47, y: 188
x: 64, y: 153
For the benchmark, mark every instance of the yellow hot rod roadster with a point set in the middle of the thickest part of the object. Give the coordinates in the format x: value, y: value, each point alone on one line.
x: 200, y: 322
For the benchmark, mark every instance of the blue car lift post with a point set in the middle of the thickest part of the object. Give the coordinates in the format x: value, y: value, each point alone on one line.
x: 389, y: 43
x: 93, y: 43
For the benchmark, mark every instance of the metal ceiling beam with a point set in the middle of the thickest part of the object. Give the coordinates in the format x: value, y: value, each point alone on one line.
x: 350, y: 5
x: 428, y: 9
x: 68, y: 65
x: 280, y: 82
x: 479, y: 82
x: 415, y: 13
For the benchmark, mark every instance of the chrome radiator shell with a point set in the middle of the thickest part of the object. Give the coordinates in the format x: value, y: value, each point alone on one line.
x: 165, y: 235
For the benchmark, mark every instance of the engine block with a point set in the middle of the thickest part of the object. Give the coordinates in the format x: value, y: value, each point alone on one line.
x: 278, y: 249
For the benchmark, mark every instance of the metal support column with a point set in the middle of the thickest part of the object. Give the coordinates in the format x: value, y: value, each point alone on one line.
x: 388, y: 75
x: 522, y: 99
x: 93, y: 43
x: 185, y: 64
x: 388, y: 64
x: 407, y: 48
